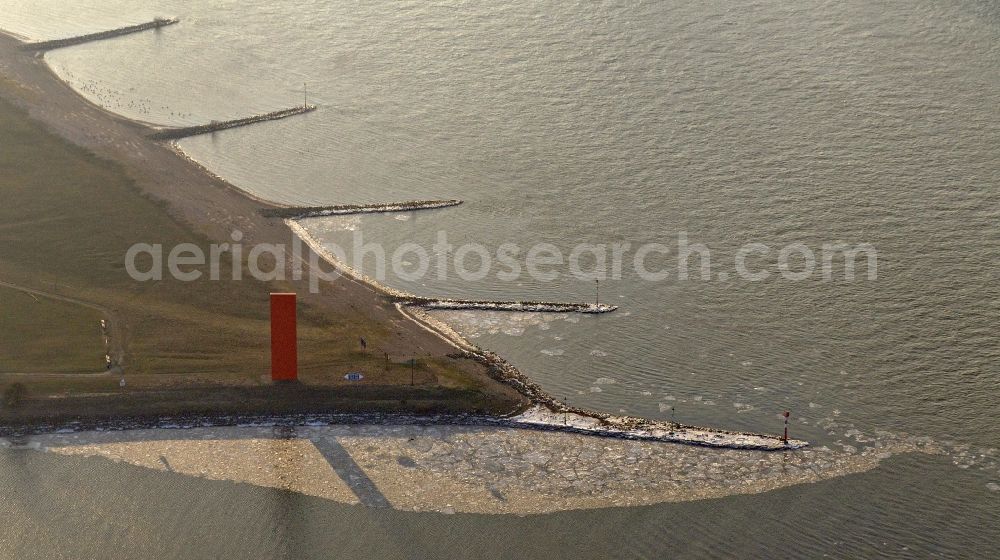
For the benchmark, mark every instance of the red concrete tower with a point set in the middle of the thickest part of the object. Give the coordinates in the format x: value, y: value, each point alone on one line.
x: 284, y: 346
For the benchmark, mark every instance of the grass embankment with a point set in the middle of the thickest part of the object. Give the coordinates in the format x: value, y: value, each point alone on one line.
x: 66, y: 221
x: 41, y: 334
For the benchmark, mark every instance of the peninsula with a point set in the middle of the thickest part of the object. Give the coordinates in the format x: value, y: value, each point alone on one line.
x: 82, y: 184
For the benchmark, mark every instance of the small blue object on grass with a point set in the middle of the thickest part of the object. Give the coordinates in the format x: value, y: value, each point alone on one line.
x: 354, y: 376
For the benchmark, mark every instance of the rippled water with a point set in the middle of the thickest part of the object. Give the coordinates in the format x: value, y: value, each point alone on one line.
x: 913, y: 506
x: 734, y: 122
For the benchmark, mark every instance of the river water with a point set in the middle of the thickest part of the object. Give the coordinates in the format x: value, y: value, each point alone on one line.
x: 565, y: 123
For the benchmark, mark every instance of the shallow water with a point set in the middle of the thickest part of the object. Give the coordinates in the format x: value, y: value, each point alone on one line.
x: 734, y: 122
x: 467, y: 469
x: 913, y: 506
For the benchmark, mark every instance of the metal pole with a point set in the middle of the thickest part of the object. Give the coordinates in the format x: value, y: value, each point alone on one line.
x: 305, y: 96
x: 597, y: 283
x: 785, y: 439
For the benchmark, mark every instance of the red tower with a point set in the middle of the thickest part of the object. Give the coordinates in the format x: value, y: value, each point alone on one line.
x: 284, y: 346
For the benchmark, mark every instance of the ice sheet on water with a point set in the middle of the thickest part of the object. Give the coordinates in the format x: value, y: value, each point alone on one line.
x: 330, y: 224
x: 475, y: 324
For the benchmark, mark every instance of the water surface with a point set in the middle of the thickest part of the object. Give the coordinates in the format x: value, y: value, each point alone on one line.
x: 735, y: 122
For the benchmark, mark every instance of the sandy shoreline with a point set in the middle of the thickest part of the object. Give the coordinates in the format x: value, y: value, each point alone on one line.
x: 214, y: 207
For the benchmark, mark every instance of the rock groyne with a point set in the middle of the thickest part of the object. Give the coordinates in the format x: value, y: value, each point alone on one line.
x: 533, y: 419
x: 407, y: 300
x: 110, y: 34
x: 184, y: 132
x: 522, y: 306
x: 298, y: 212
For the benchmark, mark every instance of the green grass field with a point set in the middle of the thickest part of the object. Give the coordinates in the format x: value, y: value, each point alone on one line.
x: 42, y: 334
x: 66, y: 222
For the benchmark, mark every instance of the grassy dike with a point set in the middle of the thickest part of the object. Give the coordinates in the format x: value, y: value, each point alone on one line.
x: 67, y: 218
x: 36, y: 331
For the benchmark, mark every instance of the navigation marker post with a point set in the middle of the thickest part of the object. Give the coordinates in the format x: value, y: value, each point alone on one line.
x: 785, y: 438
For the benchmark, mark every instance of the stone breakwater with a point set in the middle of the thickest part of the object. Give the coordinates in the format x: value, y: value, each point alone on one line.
x: 522, y: 306
x: 404, y: 299
x: 110, y: 34
x: 298, y: 212
x: 537, y: 418
x: 630, y: 427
x: 184, y: 132
x: 549, y: 413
